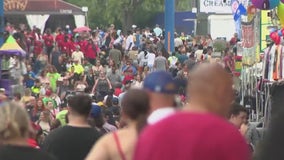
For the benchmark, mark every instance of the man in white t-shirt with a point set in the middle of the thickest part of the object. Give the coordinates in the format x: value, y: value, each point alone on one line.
x: 177, y: 41
x: 129, y: 44
x: 151, y: 61
x: 142, y: 59
x: 78, y: 55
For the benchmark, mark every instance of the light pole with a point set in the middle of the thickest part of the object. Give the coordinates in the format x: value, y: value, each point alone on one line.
x: 169, y: 24
x: 85, y: 10
x: 2, y: 25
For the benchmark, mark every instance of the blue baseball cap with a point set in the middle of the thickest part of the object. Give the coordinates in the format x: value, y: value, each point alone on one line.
x: 95, y: 110
x: 160, y: 82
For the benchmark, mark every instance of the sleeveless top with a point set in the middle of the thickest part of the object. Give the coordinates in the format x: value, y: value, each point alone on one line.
x: 118, y: 145
x: 90, y: 80
x: 102, y: 85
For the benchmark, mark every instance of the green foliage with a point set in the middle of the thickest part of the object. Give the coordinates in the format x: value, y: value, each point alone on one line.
x: 102, y: 13
x: 219, y: 45
x: 183, y: 5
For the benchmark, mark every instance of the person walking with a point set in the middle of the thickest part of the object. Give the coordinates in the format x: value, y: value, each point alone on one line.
x: 161, y: 89
x: 201, y: 131
x: 115, y: 55
x: 161, y: 63
x: 73, y: 141
x: 78, y: 55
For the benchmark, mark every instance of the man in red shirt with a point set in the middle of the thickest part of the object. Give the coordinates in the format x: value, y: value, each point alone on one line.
x: 48, y: 41
x: 59, y: 38
x: 72, y: 45
x: 65, y: 46
x: 91, y: 51
x: 82, y: 43
x: 38, y: 43
x: 201, y: 132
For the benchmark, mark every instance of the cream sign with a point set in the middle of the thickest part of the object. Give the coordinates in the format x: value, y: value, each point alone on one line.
x: 220, y: 6
x: 216, y: 6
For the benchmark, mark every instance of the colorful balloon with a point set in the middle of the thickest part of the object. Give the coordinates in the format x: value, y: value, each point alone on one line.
x: 282, y: 31
x: 280, y: 11
x: 265, y: 4
x: 279, y: 32
x: 273, y: 36
x: 277, y: 40
x: 272, y: 30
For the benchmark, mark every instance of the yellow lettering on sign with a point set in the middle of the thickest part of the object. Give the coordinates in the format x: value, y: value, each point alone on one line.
x: 10, y: 5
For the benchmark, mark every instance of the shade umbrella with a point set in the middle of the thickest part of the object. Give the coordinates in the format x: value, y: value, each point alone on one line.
x: 82, y: 29
x: 11, y: 47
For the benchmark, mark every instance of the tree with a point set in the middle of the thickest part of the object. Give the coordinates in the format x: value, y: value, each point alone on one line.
x: 183, y: 5
x: 125, y: 13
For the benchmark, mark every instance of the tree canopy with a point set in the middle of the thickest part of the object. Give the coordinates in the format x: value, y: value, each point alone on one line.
x: 124, y: 13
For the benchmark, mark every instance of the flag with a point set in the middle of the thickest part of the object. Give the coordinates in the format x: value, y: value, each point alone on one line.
x: 234, y: 5
x: 239, y: 12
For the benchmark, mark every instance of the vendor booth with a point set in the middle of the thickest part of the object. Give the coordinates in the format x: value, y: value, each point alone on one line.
x: 10, y: 49
x: 44, y: 13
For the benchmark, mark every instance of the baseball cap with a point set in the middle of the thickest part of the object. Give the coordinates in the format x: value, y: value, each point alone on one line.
x: 115, y: 101
x: 160, y: 82
x: 95, y: 110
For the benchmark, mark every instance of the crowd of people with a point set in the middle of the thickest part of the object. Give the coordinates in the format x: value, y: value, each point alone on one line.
x: 106, y: 95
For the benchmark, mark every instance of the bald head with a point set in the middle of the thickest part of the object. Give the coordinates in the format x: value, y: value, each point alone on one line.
x: 210, y: 88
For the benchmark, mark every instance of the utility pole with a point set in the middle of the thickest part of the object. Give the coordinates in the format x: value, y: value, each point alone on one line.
x: 2, y: 25
x: 169, y: 25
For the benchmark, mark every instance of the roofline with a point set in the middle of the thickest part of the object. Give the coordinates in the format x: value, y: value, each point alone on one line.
x: 43, y: 12
x: 71, y: 4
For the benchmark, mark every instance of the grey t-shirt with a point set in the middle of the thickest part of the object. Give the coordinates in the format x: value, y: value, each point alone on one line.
x: 161, y: 62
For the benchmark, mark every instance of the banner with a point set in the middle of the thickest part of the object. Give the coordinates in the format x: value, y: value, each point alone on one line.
x: 248, y: 34
x: 248, y: 43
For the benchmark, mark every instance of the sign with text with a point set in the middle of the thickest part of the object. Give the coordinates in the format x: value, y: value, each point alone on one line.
x: 19, y: 5
x: 219, y: 6
x: 216, y: 6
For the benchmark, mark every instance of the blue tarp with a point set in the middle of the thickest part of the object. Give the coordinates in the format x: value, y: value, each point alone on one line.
x: 184, y: 22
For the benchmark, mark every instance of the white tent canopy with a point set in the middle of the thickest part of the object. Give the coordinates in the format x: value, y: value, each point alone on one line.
x: 37, y: 20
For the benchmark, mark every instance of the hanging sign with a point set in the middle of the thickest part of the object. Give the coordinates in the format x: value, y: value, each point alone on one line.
x: 215, y: 6
x: 219, y: 6
x: 248, y: 34
x: 19, y: 5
